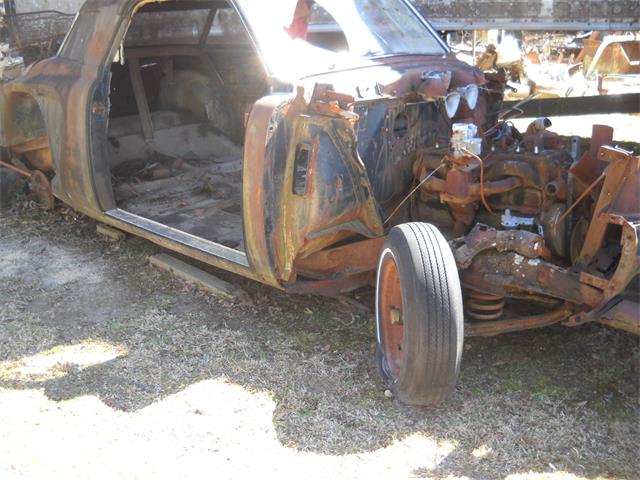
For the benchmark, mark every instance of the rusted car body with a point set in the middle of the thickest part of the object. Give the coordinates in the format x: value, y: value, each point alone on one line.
x: 193, y: 124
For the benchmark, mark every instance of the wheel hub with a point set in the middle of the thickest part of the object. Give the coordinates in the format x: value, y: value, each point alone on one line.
x: 390, y: 315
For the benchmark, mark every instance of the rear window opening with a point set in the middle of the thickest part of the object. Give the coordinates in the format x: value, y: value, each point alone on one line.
x: 177, y: 102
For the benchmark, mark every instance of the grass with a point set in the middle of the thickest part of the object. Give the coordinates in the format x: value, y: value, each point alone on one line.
x: 285, y: 386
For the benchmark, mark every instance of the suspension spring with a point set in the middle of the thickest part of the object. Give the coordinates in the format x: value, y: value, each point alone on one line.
x: 484, y: 306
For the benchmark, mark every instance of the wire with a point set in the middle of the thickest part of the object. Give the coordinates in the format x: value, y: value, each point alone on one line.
x: 479, y: 160
x: 413, y: 191
x: 579, y: 199
x: 504, y: 112
x: 15, y: 169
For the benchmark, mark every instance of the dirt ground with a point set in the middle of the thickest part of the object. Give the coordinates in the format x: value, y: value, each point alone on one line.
x: 112, y: 369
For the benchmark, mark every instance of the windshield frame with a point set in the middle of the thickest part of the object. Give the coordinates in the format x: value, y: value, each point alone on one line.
x: 271, y: 73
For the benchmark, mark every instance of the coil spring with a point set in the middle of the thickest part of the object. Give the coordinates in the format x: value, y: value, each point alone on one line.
x: 484, y: 306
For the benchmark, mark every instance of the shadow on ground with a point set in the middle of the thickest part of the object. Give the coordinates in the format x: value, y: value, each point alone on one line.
x: 554, y: 398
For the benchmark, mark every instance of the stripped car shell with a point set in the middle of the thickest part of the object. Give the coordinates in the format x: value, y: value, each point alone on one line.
x: 301, y: 178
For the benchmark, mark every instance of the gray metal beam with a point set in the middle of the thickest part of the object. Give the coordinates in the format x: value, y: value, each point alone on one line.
x: 532, y: 14
x: 554, y: 107
x: 480, y: 14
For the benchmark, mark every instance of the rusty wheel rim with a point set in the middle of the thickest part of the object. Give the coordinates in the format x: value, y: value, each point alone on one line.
x: 390, y: 322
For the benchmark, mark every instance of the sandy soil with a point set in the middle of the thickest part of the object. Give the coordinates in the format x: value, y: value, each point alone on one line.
x: 111, y: 369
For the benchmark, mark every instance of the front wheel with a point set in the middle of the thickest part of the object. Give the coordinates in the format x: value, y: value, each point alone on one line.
x: 419, y: 315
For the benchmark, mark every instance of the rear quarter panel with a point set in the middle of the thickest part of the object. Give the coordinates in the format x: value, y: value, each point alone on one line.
x: 63, y: 87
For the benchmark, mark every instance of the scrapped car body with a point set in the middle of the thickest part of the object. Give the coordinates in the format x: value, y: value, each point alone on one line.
x: 319, y: 147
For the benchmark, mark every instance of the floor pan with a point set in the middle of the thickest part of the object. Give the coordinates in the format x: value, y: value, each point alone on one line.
x: 200, y: 197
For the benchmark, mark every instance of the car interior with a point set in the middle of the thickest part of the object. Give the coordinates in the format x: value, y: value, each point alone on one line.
x: 187, y: 76
x: 181, y: 87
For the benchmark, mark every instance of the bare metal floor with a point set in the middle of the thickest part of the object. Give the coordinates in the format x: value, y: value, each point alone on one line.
x: 203, y: 198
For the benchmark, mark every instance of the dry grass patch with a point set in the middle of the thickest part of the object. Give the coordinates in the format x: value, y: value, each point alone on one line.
x: 136, y: 375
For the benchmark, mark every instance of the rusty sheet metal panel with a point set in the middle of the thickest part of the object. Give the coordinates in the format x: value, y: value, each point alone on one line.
x: 532, y: 14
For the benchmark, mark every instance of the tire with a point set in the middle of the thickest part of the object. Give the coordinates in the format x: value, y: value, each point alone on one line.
x: 419, y: 315
x: 11, y: 184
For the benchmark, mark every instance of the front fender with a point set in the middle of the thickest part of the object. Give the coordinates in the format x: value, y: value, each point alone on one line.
x: 305, y: 187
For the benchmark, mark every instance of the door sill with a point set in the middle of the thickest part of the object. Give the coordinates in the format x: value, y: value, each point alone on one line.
x: 178, y: 236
